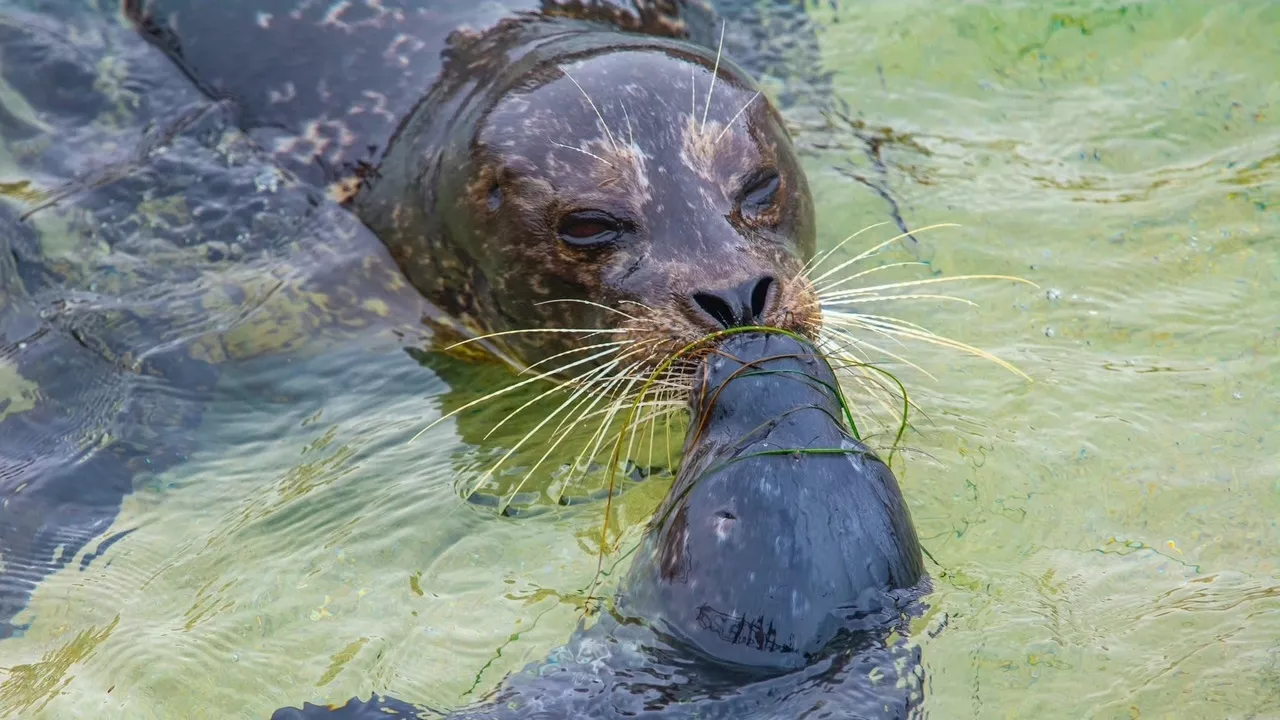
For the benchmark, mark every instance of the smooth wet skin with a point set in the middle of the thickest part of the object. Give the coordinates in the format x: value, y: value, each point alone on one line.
x: 757, y: 557
x: 768, y: 581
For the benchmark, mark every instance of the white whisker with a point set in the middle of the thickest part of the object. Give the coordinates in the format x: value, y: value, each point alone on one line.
x: 891, y: 298
x: 592, y: 331
x: 879, y: 268
x: 593, y: 107
x: 849, y: 336
x: 871, y: 251
x: 511, y: 387
x: 584, y: 152
x: 891, y: 325
x: 714, y: 72
x: 734, y: 119
x: 588, y: 302
x: 926, y: 281
x: 571, y: 351
x: 822, y: 257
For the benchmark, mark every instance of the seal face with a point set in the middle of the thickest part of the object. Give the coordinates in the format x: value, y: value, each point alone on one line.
x: 680, y: 204
x: 645, y: 191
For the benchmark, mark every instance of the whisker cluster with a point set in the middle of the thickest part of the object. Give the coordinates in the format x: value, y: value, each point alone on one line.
x: 851, y: 334
x: 592, y: 386
x: 613, y: 393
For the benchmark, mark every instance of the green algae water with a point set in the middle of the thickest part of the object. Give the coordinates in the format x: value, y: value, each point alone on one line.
x: 1104, y: 540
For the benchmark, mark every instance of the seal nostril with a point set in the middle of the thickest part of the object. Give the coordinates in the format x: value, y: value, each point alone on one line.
x: 717, y: 308
x: 760, y: 297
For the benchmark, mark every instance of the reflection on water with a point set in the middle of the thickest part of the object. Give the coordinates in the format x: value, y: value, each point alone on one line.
x: 1105, y: 537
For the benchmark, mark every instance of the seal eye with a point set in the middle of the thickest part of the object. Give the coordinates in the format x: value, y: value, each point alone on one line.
x: 590, y: 229
x: 760, y: 192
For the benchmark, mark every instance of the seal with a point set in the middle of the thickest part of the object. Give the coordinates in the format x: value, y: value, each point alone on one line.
x: 145, y: 244
x: 533, y: 167
x: 768, y: 582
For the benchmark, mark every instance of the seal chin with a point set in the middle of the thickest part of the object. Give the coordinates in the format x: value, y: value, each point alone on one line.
x: 782, y: 530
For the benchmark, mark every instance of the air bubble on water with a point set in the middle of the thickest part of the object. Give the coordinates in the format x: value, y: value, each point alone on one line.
x: 1237, y: 395
x: 1049, y: 332
x: 267, y: 181
x: 1053, y: 294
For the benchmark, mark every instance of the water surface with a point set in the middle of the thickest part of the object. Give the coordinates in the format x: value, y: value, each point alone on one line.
x: 1105, y: 539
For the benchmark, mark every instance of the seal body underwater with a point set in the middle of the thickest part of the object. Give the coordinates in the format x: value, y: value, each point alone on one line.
x: 145, y: 244
x: 768, y: 583
x: 530, y: 166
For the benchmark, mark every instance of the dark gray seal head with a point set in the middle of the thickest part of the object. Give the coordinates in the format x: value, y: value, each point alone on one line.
x: 768, y: 582
x: 636, y: 184
x: 782, y: 529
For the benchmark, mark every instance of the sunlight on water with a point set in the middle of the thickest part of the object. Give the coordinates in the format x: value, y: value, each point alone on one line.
x: 1106, y: 538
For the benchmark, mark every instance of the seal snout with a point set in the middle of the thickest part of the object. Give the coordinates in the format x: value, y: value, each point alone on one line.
x: 745, y: 304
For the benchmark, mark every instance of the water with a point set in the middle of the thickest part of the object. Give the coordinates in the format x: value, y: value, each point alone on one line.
x: 1105, y: 539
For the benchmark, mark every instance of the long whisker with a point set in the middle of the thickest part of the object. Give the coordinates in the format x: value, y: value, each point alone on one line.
x: 549, y: 450
x: 593, y: 107
x: 734, y: 119
x: 571, y: 351
x: 871, y: 251
x: 584, y: 152
x: 926, y: 281
x: 865, y: 379
x: 844, y: 317
x: 849, y: 278
x: 846, y: 335
x: 592, y: 331
x: 820, y: 258
x: 600, y: 373
x: 631, y: 137
x: 888, y: 325
x: 583, y: 380
x: 509, y: 388
x: 598, y: 436
x: 588, y: 302
x: 714, y: 72
x: 891, y: 298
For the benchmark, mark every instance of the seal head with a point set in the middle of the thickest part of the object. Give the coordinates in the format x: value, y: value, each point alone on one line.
x: 632, y: 184
x: 782, y: 529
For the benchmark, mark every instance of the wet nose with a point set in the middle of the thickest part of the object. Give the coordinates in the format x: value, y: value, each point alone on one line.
x: 745, y: 304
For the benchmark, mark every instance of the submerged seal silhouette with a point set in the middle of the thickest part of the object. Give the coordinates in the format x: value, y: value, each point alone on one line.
x: 767, y: 582
x: 562, y: 165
